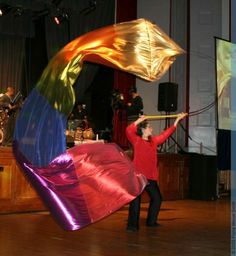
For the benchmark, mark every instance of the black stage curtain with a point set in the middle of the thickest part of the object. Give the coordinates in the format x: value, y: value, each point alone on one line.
x: 100, y: 108
x: 35, y: 57
x: 11, y: 61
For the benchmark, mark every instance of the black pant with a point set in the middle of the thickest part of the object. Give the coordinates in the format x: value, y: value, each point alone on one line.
x: 153, y: 190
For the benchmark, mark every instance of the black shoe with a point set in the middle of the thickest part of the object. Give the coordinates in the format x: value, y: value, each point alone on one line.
x: 131, y: 229
x: 155, y: 225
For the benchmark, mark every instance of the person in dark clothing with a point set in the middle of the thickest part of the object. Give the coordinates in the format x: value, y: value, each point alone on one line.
x: 12, y: 107
x: 135, y: 106
x: 78, y: 118
x: 6, y: 98
x: 145, y: 160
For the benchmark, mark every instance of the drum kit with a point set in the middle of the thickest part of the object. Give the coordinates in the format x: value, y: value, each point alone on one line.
x: 74, y: 128
x: 79, y: 131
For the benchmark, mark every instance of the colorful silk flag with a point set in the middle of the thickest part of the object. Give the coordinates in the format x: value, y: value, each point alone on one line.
x: 88, y: 182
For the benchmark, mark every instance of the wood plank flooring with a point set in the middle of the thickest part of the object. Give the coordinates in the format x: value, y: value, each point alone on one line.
x: 189, y: 227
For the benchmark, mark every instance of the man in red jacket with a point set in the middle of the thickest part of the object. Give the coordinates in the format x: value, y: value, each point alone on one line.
x: 139, y: 133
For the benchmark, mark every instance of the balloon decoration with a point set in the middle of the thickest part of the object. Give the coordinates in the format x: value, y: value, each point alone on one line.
x: 87, y: 182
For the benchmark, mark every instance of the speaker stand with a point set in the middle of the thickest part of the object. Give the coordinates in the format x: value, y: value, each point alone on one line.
x: 178, y: 145
x: 163, y: 147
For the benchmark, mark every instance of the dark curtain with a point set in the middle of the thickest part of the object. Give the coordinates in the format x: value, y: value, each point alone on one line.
x: 11, y: 61
x: 35, y: 57
x: 100, y: 109
x: 13, y: 31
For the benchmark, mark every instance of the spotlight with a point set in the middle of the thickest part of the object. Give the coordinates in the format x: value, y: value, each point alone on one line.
x: 62, y: 16
x: 4, y: 9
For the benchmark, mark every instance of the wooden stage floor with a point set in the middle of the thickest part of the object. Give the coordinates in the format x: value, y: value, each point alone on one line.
x: 189, y: 227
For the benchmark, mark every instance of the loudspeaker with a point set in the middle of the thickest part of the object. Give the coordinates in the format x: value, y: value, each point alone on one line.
x: 167, y: 97
x: 202, y: 177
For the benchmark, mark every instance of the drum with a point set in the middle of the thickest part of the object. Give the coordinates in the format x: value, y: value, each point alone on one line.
x: 71, y: 125
x: 88, y: 134
x: 1, y: 136
x: 79, y: 134
x: 3, y: 117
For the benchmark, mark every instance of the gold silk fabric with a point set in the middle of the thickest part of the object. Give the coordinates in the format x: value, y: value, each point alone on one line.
x: 138, y: 47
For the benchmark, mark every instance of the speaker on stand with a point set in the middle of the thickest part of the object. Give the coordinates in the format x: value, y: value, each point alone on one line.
x: 167, y: 99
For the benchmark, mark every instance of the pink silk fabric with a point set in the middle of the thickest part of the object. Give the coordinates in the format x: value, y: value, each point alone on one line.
x: 85, y: 184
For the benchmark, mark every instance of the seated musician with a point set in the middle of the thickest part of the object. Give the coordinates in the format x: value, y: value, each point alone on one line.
x: 11, y: 107
x: 80, y: 117
x: 6, y: 98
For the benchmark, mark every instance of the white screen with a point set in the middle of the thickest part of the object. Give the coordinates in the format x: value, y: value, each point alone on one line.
x: 225, y: 65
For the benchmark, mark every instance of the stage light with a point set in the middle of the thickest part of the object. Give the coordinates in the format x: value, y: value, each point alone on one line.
x: 62, y: 16
x: 4, y: 9
x: 57, y: 20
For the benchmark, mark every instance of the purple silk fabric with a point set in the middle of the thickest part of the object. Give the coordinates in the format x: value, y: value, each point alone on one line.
x: 85, y: 184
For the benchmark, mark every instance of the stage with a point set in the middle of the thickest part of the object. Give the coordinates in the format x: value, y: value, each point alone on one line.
x: 198, y: 227
x: 189, y: 227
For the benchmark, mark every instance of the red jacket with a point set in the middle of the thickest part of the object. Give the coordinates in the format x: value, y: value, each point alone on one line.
x: 145, y: 152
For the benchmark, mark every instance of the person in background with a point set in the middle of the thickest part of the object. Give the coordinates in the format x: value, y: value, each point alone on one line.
x: 12, y: 107
x: 145, y: 160
x: 6, y: 98
x: 135, y: 106
x: 79, y: 117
